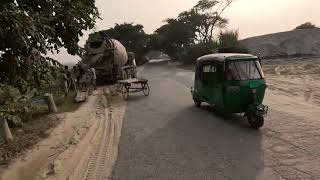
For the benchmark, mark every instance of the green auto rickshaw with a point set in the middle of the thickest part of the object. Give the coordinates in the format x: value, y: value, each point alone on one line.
x: 232, y: 82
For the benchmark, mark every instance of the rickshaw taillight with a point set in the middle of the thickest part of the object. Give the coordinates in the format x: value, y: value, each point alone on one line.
x: 254, y: 91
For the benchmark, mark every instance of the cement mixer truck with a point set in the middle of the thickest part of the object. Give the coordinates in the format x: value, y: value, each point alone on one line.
x: 109, y: 58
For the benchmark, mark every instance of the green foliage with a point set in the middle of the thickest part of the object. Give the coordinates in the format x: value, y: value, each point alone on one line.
x: 42, y: 25
x: 65, y: 103
x: 12, y: 105
x: 27, y: 73
x: 174, y: 37
x: 191, y: 33
x: 191, y: 27
x: 27, y: 29
x: 197, y: 50
x: 307, y: 25
x: 132, y: 36
x: 207, y: 15
x: 229, y: 42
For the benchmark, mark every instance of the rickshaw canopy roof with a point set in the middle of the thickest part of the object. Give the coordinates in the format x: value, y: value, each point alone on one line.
x: 222, y: 57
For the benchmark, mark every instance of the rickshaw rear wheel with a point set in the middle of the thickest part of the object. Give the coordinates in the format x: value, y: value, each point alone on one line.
x: 255, y: 121
x: 197, y: 103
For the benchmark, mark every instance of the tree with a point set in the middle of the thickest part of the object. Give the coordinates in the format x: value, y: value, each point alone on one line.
x: 229, y: 42
x: 131, y: 35
x: 208, y: 15
x: 195, y: 51
x: 193, y: 29
x: 43, y: 25
x: 174, y: 36
x: 307, y: 25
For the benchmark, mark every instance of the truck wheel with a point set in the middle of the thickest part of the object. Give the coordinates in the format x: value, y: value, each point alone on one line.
x: 255, y: 121
x: 197, y: 103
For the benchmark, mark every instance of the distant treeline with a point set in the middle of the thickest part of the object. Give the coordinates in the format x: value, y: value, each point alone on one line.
x: 193, y: 33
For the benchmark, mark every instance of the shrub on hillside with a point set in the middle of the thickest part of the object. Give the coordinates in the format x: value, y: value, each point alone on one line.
x: 192, y: 53
x: 307, y: 25
x: 229, y: 42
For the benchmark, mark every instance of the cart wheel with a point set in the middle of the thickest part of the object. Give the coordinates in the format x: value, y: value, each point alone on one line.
x: 255, y: 121
x: 125, y: 92
x: 197, y: 103
x: 146, y: 89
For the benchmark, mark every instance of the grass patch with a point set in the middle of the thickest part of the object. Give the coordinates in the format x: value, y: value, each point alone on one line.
x: 26, y: 136
x: 66, y: 104
x: 36, y: 125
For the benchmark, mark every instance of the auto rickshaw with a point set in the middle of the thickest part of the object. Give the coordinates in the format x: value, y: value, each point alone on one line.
x: 232, y: 82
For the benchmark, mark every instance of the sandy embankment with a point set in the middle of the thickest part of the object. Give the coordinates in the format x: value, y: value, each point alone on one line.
x: 83, y: 146
x: 294, y: 87
x: 296, y: 78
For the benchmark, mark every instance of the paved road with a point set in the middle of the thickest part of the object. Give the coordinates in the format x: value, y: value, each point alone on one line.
x: 164, y: 136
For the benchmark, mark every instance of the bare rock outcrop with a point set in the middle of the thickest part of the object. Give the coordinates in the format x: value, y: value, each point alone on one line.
x: 303, y: 42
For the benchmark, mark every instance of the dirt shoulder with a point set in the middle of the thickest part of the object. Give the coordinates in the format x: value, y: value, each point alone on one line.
x: 291, y: 147
x: 295, y: 78
x: 69, y: 152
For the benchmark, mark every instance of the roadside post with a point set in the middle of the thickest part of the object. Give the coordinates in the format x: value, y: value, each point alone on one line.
x: 50, y: 102
x: 5, y: 131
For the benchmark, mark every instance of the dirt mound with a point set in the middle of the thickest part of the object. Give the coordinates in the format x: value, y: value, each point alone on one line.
x: 304, y: 42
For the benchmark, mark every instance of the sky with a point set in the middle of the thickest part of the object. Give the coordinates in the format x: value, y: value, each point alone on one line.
x: 249, y: 17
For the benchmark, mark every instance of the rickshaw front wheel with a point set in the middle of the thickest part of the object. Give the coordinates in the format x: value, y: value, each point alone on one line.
x: 197, y: 102
x: 255, y: 121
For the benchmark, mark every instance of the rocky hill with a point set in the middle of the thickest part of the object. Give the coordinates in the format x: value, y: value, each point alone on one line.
x: 305, y: 42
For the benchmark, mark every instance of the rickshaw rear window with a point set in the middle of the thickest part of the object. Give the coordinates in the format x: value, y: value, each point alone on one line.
x: 244, y: 70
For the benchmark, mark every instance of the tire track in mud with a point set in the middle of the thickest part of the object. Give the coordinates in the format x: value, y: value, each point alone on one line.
x: 104, y: 152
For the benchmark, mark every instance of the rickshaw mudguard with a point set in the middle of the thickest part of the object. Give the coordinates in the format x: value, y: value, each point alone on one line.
x: 193, y: 92
x: 260, y: 110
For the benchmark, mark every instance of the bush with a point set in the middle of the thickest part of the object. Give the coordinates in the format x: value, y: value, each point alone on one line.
x: 192, y: 53
x: 229, y: 42
x: 307, y: 25
x: 236, y: 49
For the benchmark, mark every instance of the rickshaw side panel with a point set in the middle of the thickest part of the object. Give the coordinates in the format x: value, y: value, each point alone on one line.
x: 238, y: 95
x: 208, y: 87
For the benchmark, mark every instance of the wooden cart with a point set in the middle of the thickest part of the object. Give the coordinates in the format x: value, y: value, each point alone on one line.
x: 132, y: 85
